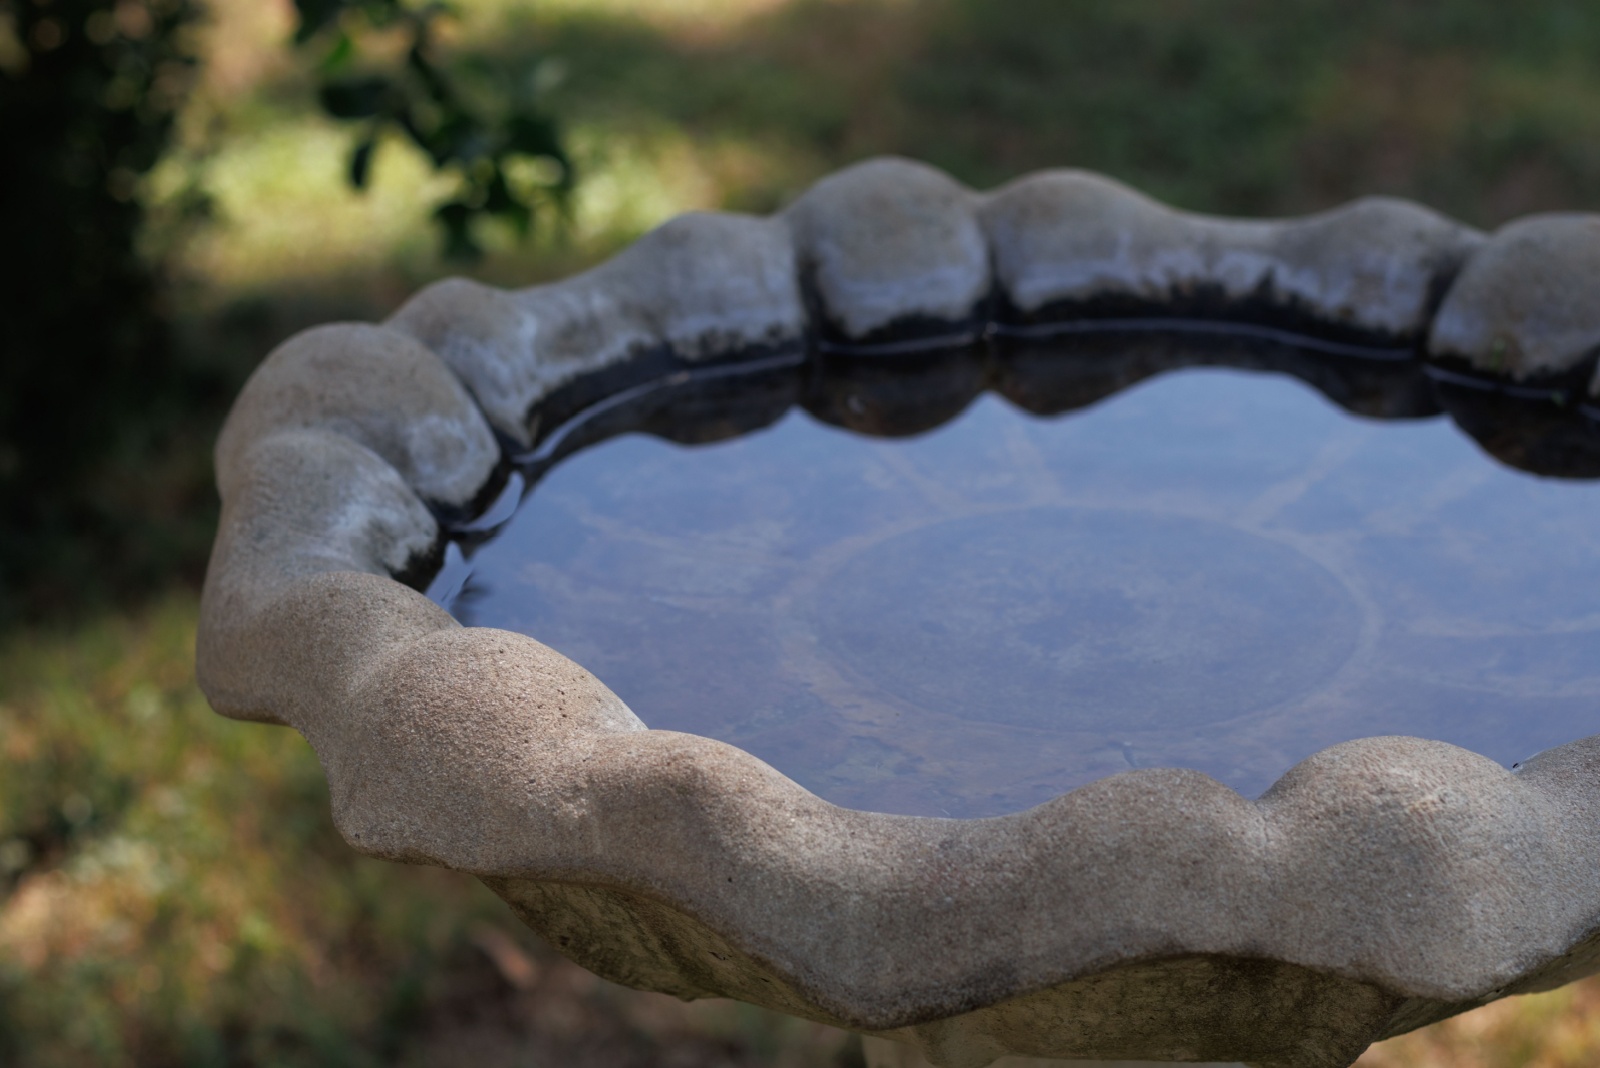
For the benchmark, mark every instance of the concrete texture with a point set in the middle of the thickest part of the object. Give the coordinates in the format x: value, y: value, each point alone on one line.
x: 1524, y: 307
x: 377, y: 388
x: 701, y: 286
x: 892, y: 251
x: 1154, y: 915
x: 1070, y: 243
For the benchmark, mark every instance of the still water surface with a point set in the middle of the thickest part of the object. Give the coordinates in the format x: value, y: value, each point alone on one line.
x: 1217, y: 570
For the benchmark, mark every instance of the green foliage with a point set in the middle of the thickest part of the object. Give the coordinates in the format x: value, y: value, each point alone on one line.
x: 502, y: 147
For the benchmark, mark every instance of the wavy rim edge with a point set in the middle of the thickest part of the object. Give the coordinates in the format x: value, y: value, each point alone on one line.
x: 1412, y: 868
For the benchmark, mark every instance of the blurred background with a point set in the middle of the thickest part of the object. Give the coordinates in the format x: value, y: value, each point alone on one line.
x: 184, y: 183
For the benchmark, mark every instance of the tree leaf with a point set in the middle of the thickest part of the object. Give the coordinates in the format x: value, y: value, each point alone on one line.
x: 459, y: 138
x: 532, y: 134
x: 455, y: 219
x: 432, y: 81
x: 502, y: 202
x: 316, y: 16
x: 419, y: 97
x: 361, y: 162
x: 340, y: 55
x: 356, y: 98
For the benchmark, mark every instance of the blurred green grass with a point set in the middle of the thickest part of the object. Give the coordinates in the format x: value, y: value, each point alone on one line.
x: 171, y: 889
x: 172, y: 892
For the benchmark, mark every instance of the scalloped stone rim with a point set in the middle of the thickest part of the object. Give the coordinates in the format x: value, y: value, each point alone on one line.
x: 1377, y: 886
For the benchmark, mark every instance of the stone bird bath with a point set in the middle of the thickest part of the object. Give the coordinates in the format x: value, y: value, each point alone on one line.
x: 1155, y: 914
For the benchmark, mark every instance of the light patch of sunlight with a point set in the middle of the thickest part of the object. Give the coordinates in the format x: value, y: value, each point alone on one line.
x: 245, y: 42
x: 284, y: 207
x: 694, y: 15
x: 637, y: 182
x: 285, y: 210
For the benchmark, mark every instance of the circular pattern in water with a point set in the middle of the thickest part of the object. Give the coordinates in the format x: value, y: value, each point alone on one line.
x: 1214, y: 570
x: 1077, y: 619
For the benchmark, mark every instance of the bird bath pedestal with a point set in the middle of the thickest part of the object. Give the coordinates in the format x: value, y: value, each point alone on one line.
x: 1261, y: 809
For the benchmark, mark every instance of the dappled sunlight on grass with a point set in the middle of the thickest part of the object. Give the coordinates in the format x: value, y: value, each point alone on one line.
x: 285, y: 214
x: 284, y: 210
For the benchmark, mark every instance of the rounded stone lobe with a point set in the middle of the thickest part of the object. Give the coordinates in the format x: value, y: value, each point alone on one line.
x: 486, y: 337
x: 378, y: 388
x: 699, y: 287
x: 305, y: 501
x: 893, y: 251
x: 302, y: 504
x: 440, y: 754
x: 1070, y: 244
x: 1524, y: 306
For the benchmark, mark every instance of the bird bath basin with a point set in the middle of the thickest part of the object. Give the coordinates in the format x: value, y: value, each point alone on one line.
x: 1237, y: 569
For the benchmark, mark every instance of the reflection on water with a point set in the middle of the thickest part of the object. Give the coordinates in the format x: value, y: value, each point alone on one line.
x: 1214, y: 569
